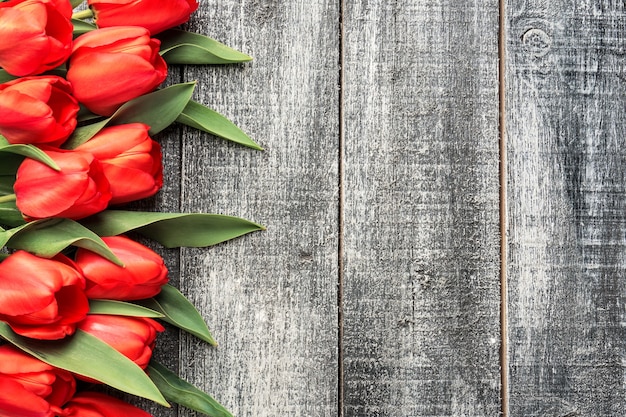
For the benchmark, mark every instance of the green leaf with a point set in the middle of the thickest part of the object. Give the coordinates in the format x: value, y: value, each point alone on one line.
x: 28, y: 151
x: 48, y: 237
x: 177, y: 310
x: 86, y: 355
x: 181, y: 47
x: 120, y: 308
x: 5, y: 76
x: 83, y: 133
x: 76, y: 3
x: 6, y: 184
x: 203, y: 118
x: 81, y: 27
x: 172, y: 229
x: 6, y: 235
x: 10, y: 216
x: 179, y: 391
x: 158, y: 109
x: 9, y: 163
x: 85, y: 115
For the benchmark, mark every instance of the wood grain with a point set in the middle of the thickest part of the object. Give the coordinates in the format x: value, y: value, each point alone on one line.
x: 421, y: 294
x: 567, y: 218
x: 270, y: 298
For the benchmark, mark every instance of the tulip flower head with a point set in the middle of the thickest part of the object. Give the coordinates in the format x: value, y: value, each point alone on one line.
x: 154, y: 15
x: 37, y: 110
x: 78, y: 190
x: 133, y: 337
x: 111, y: 66
x: 36, y: 35
x: 44, y: 388
x: 95, y: 404
x: 41, y: 298
x: 143, y: 274
x: 130, y: 159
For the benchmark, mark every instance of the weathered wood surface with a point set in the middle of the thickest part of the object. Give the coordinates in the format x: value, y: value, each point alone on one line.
x: 566, y: 197
x: 379, y: 187
x: 421, y: 277
x: 271, y: 297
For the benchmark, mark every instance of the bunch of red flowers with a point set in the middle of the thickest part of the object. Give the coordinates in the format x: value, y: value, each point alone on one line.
x: 77, y: 119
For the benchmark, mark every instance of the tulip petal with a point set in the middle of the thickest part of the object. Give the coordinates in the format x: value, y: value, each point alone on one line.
x: 29, y: 287
x: 93, y: 404
x: 79, y: 189
x: 62, y: 192
x: 17, y: 401
x: 21, y: 28
x: 24, y: 117
x: 156, y: 16
x: 124, y: 77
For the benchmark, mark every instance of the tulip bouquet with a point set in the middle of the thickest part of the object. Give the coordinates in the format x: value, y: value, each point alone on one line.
x: 80, y: 301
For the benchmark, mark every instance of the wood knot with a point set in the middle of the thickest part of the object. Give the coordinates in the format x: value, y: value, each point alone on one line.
x: 537, y: 42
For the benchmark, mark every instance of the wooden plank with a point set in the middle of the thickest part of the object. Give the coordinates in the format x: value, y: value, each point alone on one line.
x: 270, y: 298
x: 567, y: 217
x: 421, y: 299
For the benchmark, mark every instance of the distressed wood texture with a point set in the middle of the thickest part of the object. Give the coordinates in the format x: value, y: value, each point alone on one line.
x: 421, y: 298
x: 270, y: 298
x: 567, y: 217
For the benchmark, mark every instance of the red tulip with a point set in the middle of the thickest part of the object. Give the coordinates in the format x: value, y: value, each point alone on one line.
x: 111, y: 66
x: 36, y: 35
x: 17, y: 401
x: 154, y: 15
x: 44, y: 382
x: 133, y: 337
x: 78, y: 190
x: 41, y: 298
x: 131, y: 161
x: 95, y: 404
x: 143, y: 274
x: 37, y: 110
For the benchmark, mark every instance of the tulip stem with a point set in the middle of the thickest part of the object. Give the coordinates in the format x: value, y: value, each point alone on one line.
x: 7, y: 198
x: 83, y: 14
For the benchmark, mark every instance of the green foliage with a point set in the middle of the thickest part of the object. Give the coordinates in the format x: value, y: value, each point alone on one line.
x: 121, y: 308
x: 180, y: 47
x: 172, y: 229
x: 86, y: 355
x: 203, y: 118
x: 177, y: 310
x: 28, y: 151
x: 48, y: 237
x: 158, y: 110
x: 181, y: 392
x: 81, y: 27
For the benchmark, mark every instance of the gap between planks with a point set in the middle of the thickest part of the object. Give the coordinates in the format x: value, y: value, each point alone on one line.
x: 504, y: 361
x: 340, y: 220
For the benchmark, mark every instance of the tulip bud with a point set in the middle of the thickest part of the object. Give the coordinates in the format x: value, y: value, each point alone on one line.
x: 78, y: 190
x: 154, y: 15
x: 133, y: 337
x: 41, y: 298
x: 36, y: 35
x: 111, y: 66
x: 37, y: 110
x: 143, y: 274
x: 131, y: 161
x: 44, y: 388
x: 95, y: 404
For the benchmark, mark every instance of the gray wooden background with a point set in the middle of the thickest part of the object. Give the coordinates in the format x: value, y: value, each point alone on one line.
x: 396, y: 163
